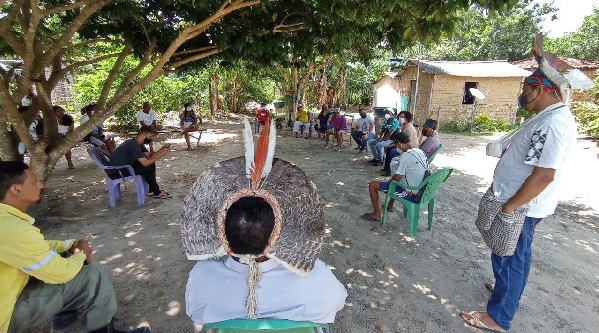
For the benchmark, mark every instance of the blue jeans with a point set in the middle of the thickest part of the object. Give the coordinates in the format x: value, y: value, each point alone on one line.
x: 377, y: 149
x: 511, y: 274
x: 390, y: 153
x: 357, y: 136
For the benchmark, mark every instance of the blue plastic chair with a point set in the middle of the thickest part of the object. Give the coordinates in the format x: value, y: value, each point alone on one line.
x: 100, y: 158
x: 411, y: 210
x: 257, y: 325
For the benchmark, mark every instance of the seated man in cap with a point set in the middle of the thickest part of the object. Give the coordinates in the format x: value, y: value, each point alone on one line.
x: 411, y: 171
x: 58, y: 284
x: 256, y: 245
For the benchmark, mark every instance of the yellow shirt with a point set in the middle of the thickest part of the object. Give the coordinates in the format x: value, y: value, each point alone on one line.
x: 302, y: 116
x: 24, y: 252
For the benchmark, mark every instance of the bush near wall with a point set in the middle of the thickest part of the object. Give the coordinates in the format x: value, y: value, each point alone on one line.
x: 587, y: 116
x: 483, y: 123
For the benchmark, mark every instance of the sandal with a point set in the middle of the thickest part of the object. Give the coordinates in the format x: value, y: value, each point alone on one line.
x: 477, y: 322
x: 368, y: 216
x: 163, y: 195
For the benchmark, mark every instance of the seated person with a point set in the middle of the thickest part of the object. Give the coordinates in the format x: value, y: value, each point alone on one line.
x: 323, y: 126
x: 339, y: 128
x: 302, y: 118
x: 411, y: 171
x: 262, y: 115
x: 432, y: 141
x: 66, y: 124
x: 96, y: 137
x: 133, y: 152
x: 406, y: 125
x: 189, y: 123
x: 382, y: 140
x: 58, y: 283
x: 250, y: 263
x: 364, y: 130
x: 146, y: 117
x: 428, y: 146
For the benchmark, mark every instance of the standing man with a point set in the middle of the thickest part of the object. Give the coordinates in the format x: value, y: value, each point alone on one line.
x: 262, y: 115
x: 525, y: 191
x: 61, y: 282
x: 147, y: 119
x: 133, y: 152
x: 364, y: 130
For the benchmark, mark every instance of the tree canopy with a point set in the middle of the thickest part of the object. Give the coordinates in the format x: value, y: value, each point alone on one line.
x: 581, y: 44
x: 56, y: 37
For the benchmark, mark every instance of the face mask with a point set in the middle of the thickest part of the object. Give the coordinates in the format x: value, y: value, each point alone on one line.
x: 147, y: 141
x: 363, y: 116
x: 424, y: 132
x: 523, y: 100
x: 401, y: 120
x: 26, y: 101
x: 387, y: 116
x: 188, y: 108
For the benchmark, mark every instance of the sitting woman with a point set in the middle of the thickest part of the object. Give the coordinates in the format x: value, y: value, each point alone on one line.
x: 323, y: 125
x: 189, y: 123
x: 66, y: 124
x: 407, y: 127
x: 96, y: 137
x: 339, y: 127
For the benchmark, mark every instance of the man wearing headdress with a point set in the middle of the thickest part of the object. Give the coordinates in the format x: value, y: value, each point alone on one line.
x: 245, y: 222
x: 524, y: 190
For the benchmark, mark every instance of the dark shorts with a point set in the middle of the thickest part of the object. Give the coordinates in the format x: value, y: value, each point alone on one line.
x: 324, y: 128
x: 399, y: 191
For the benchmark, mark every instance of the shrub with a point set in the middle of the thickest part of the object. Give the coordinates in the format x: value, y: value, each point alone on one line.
x: 483, y: 123
x: 587, y: 116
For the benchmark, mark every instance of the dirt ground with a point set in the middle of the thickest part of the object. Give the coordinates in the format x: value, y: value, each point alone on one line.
x: 395, y: 283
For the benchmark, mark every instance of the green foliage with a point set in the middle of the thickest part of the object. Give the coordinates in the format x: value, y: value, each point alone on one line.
x: 480, y: 34
x: 587, y: 116
x: 483, y: 123
x: 581, y: 44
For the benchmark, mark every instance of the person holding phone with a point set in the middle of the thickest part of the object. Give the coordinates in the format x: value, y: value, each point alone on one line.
x: 134, y: 153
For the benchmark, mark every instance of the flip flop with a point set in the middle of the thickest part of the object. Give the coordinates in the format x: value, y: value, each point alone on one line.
x: 489, y: 286
x: 163, y: 195
x: 368, y: 216
x: 478, y: 323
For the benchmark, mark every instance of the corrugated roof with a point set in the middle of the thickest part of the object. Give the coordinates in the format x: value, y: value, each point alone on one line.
x: 498, y: 68
x: 576, y: 63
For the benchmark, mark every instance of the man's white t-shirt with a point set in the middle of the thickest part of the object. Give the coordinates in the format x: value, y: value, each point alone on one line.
x: 544, y: 142
x: 412, y: 166
x: 146, y: 118
x: 364, y: 124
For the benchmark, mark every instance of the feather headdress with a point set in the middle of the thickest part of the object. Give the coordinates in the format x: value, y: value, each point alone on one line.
x: 558, y: 71
x: 298, y: 230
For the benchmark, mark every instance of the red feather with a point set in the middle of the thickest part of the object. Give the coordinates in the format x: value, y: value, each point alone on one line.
x: 260, y: 156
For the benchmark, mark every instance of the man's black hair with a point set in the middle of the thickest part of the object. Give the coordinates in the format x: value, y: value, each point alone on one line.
x: 11, y: 173
x: 248, y: 225
x: 400, y: 137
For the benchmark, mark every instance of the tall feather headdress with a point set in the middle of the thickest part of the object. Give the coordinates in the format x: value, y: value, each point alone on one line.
x: 298, y: 231
x: 558, y: 71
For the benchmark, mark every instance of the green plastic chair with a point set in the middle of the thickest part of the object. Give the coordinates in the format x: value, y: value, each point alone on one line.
x: 432, y: 157
x: 255, y: 325
x: 411, y: 210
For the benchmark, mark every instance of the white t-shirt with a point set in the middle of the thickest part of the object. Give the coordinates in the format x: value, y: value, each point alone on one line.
x: 412, y: 166
x: 146, y: 118
x: 364, y: 124
x: 544, y: 142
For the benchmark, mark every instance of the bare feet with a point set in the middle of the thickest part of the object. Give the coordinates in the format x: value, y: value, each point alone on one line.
x: 482, y: 320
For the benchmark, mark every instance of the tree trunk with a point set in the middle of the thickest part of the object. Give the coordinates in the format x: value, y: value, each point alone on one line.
x: 234, y: 96
x: 214, y: 100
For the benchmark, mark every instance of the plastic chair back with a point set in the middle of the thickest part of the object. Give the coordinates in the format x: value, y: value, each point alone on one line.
x: 433, y: 182
x: 432, y: 157
x: 258, y: 325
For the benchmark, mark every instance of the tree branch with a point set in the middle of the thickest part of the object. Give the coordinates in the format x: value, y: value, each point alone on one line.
x: 59, y: 44
x: 59, y: 74
x: 199, y: 49
x: 195, y: 57
x: 135, y: 72
x: 67, y: 7
x: 113, y: 75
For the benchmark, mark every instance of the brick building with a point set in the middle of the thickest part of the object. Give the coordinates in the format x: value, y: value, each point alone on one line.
x: 441, y: 89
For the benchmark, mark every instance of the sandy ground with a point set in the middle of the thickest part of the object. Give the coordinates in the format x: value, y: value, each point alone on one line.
x: 395, y: 283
